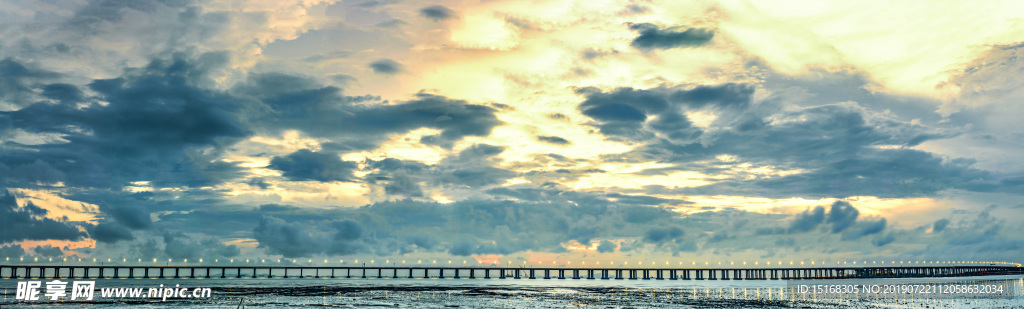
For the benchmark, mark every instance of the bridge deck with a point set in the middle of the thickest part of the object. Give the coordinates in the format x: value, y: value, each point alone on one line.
x: 246, y: 271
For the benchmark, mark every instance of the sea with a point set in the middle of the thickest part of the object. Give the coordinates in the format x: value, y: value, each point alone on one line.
x: 518, y: 293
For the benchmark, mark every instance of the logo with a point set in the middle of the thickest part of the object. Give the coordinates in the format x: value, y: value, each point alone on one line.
x: 55, y: 290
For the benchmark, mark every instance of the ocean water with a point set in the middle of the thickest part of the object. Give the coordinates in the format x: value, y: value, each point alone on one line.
x: 499, y: 293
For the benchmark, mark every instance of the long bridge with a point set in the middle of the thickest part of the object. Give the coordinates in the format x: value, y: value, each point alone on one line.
x: 380, y: 272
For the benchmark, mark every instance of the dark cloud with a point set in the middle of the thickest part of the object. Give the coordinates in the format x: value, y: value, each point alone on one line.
x: 276, y: 208
x: 289, y: 239
x: 808, y: 220
x: 29, y: 222
x: 399, y: 178
x: 121, y: 210
x: 654, y: 37
x: 258, y: 182
x: 65, y: 93
x: 472, y: 167
x: 884, y: 240
x: 12, y: 251
x: 182, y: 246
x: 721, y: 96
x: 437, y: 12
x: 940, y: 225
x: 36, y: 172
x: 288, y: 102
x: 606, y: 247
x: 868, y: 228
x: 18, y: 82
x: 553, y: 139
x: 643, y: 200
x: 843, y: 215
x: 386, y: 66
x: 308, y: 165
x: 634, y: 114
x: 47, y: 251
x: 836, y: 145
x: 460, y: 228
x: 110, y: 232
x: 129, y: 214
x: 151, y: 124
x: 663, y: 234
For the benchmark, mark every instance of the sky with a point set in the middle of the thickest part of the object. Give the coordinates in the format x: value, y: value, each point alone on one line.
x: 562, y: 132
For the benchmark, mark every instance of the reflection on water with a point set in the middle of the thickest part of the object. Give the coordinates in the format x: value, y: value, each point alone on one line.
x: 511, y: 293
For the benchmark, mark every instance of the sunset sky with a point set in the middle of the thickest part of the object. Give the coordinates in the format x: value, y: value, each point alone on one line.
x: 538, y: 132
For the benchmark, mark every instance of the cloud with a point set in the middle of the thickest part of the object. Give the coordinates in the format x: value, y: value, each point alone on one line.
x: 463, y: 228
x: 940, y: 225
x: 437, y: 12
x: 553, y: 139
x: 287, y: 102
x: 100, y: 37
x: 386, y: 66
x: 12, y: 251
x: 308, y: 165
x: 35, y: 172
x: 606, y: 247
x: 18, y: 82
x: 110, y: 232
x: 473, y: 167
x: 297, y: 240
x: 868, y: 228
x: 665, y: 234
x: 47, y: 251
x: 843, y: 215
x: 146, y: 125
x: 183, y: 246
x: 29, y: 222
x: 641, y: 115
x: 808, y: 220
x: 654, y: 37
x: 884, y: 240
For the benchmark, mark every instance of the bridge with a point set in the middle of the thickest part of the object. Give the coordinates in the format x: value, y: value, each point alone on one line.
x: 381, y: 272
